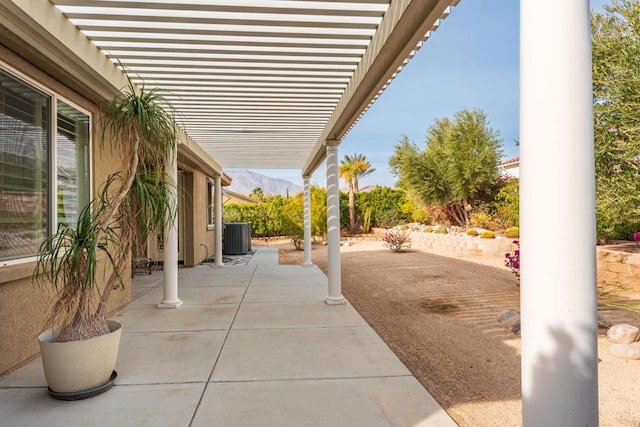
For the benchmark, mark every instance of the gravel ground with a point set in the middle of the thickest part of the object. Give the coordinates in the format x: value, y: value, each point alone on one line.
x: 439, y: 315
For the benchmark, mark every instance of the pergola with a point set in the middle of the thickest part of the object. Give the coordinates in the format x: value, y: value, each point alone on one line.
x: 279, y: 83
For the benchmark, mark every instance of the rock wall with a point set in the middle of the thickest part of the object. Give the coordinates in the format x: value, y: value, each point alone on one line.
x: 462, y: 245
x: 619, y: 268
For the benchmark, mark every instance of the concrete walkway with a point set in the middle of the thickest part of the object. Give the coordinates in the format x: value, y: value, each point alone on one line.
x: 253, y: 345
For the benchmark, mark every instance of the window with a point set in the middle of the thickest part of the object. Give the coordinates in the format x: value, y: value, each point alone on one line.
x: 44, y: 180
x: 72, y: 142
x: 211, y: 203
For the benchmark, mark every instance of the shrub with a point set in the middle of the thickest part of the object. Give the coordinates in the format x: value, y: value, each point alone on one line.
x: 396, y: 239
x: 389, y: 207
x: 295, y: 231
x: 427, y: 230
x: 472, y: 232
x: 404, y: 228
x: 482, y: 220
x: 441, y: 231
x: 389, y: 218
x: 487, y: 235
x: 506, y: 204
x: 512, y: 232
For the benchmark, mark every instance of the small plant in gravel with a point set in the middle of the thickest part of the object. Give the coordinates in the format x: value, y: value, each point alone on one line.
x: 441, y: 231
x: 472, y: 232
x: 512, y: 260
x: 428, y: 230
x: 396, y: 239
x: 487, y: 235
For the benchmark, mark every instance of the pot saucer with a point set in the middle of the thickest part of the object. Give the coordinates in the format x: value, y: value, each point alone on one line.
x: 79, y: 395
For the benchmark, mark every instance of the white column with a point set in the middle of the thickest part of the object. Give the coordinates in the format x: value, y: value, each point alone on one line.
x: 333, y: 225
x: 307, y: 222
x: 557, y: 216
x: 170, y: 268
x: 218, y: 221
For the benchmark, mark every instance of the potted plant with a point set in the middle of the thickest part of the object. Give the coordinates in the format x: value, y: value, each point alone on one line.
x: 131, y: 205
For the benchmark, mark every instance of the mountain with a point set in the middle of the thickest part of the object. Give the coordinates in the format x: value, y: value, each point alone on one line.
x: 244, y: 181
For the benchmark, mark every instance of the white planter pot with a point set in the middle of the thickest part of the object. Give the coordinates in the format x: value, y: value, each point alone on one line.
x: 77, y: 366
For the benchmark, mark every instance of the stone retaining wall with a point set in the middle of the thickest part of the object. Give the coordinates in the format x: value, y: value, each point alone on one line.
x: 614, y: 267
x: 463, y: 245
x: 619, y: 268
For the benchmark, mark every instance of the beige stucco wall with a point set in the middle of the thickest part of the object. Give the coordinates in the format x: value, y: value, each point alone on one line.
x: 239, y: 200
x: 199, y: 237
x: 23, y: 306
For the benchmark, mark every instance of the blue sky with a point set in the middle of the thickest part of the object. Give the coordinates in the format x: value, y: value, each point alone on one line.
x: 470, y: 62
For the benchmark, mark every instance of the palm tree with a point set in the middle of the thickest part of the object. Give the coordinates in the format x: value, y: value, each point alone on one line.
x: 131, y: 205
x: 361, y: 168
x: 350, y: 169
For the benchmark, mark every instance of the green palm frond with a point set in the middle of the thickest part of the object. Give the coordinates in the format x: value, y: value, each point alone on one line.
x: 139, y: 127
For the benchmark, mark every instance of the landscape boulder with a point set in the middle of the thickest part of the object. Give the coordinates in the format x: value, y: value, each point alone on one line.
x: 625, y: 351
x: 623, y: 333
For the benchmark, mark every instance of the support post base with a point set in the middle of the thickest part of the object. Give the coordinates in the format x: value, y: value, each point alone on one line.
x: 172, y: 304
x: 335, y: 300
x: 307, y: 264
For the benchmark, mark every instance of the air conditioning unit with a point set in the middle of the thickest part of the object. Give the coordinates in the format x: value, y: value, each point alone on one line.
x: 237, y: 238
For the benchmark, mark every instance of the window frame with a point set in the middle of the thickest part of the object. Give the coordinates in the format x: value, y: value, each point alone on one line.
x: 52, y: 158
x: 211, y: 199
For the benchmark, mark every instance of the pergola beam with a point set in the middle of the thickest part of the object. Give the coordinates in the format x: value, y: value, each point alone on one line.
x: 403, y: 26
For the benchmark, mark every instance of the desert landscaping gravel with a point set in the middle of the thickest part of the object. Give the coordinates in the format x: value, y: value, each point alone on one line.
x: 440, y: 316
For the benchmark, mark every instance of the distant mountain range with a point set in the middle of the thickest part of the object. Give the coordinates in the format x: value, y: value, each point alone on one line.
x: 244, y: 182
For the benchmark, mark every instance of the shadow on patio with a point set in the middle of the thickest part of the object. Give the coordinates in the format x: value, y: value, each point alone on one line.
x: 253, y: 344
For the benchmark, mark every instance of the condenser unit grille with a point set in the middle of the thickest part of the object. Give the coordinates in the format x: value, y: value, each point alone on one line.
x: 237, y: 238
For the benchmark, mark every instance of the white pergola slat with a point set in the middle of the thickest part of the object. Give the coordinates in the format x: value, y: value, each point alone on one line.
x: 254, y: 82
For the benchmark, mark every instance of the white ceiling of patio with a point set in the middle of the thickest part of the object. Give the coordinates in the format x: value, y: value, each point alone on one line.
x: 261, y: 84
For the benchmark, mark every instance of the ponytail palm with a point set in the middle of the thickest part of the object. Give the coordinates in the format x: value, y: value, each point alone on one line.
x: 131, y: 205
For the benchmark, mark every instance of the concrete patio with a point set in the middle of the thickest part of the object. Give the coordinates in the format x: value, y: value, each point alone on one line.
x: 253, y: 344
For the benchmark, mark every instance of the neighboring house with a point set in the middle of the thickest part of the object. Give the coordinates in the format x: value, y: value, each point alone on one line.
x: 368, y: 188
x: 510, y: 168
x: 237, y: 198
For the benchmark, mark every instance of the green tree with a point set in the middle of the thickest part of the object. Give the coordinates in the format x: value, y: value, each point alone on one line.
x: 388, y: 206
x: 361, y: 168
x: 276, y: 215
x: 351, y: 168
x: 616, y: 90
x: 318, y: 211
x: 506, y: 204
x: 258, y: 194
x: 292, y: 214
x: 457, y: 167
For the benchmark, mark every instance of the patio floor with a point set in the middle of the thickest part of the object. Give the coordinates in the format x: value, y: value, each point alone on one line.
x: 253, y: 344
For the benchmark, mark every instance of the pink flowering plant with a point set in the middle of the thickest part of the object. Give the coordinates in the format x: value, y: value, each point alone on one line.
x: 396, y: 239
x: 512, y: 260
x: 636, y: 237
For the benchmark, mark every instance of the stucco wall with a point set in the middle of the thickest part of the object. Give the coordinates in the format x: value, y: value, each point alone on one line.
x: 199, y: 238
x: 23, y: 307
